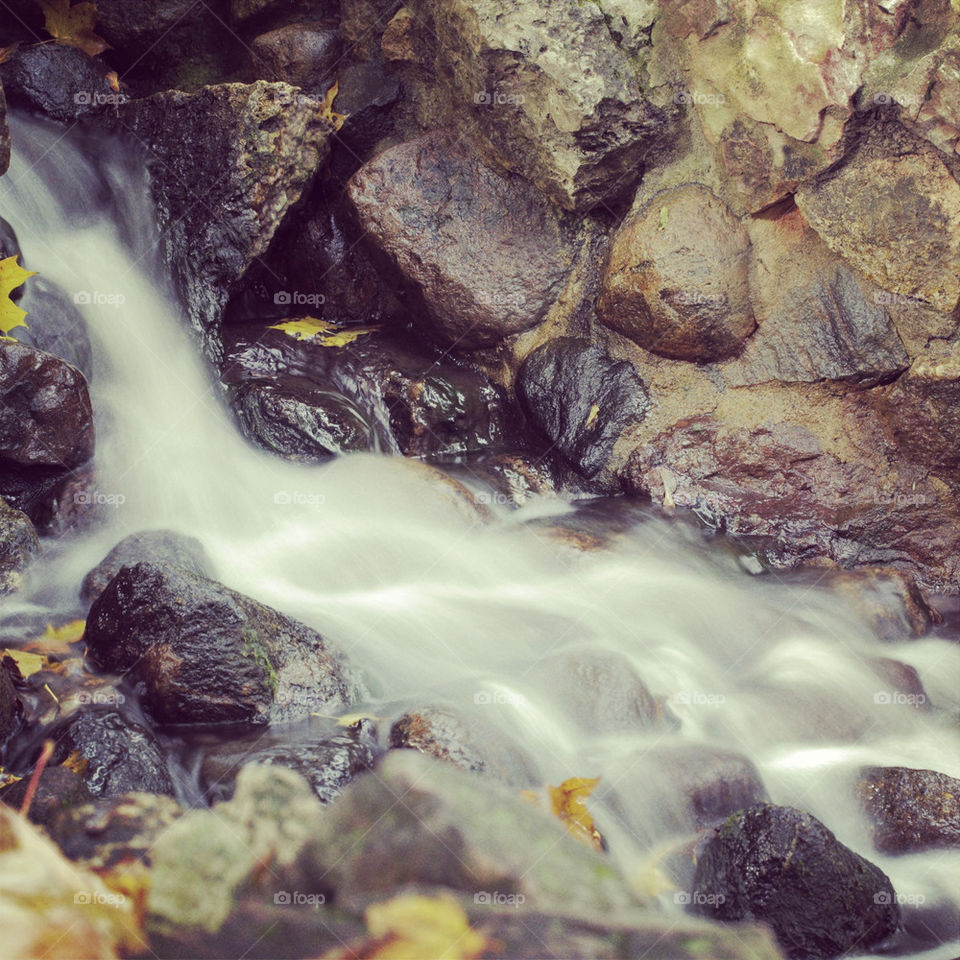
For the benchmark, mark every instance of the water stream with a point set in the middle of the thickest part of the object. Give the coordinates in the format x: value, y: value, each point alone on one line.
x: 439, y: 608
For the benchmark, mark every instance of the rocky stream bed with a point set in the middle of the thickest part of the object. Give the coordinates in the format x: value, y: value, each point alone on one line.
x: 478, y: 478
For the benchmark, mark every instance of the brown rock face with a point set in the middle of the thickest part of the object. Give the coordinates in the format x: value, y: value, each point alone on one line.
x: 676, y: 281
x: 893, y: 211
x: 483, y: 251
x: 910, y: 810
x: 302, y: 54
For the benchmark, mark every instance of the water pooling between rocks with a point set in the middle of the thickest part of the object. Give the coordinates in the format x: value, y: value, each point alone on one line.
x: 654, y: 660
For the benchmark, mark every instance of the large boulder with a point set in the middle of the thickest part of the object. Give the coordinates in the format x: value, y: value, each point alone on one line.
x: 893, y: 211
x: 483, y: 250
x: 676, y: 278
x: 227, y: 163
x: 581, y: 398
x: 55, y: 325
x: 910, y: 810
x: 155, y: 546
x: 551, y: 93
x: 783, y: 867
x: 206, y: 654
x: 46, y: 423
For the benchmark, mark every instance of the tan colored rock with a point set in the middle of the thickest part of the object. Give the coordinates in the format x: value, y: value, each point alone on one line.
x: 893, y: 212
x: 676, y: 278
x: 400, y: 41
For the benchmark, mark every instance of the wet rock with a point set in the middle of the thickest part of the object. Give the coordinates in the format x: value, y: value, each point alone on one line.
x: 575, y: 393
x: 910, y: 810
x: 255, y: 147
x: 55, y: 325
x: 243, y: 13
x: 46, y: 423
x: 19, y: 544
x: 107, y: 832
x: 417, y: 402
x: 554, y: 98
x: 132, y: 26
x: 893, y: 211
x: 328, y: 765
x: 453, y: 830
x: 782, y: 867
x: 297, y: 420
x: 10, y: 247
x: 919, y: 409
x: 115, y: 754
x: 601, y: 692
x: 302, y: 54
x: 482, y: 250
x: 676, y: 278
x: 4, y: 140
x: 677, y: 788
x: 153, y: 546
x: 58, y: 81
x: 58, y: 789
x: 818, y: 319
x: 362, y: 22
x: 516, y: 478
x: 902, y: 678
x: 207, y: 859
x: 11, y: 708
x: 467, y: 743
x: 206, y: 654
x: 886, y: 598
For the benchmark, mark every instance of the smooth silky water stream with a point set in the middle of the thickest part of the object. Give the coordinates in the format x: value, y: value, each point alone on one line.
x: 439, y: 608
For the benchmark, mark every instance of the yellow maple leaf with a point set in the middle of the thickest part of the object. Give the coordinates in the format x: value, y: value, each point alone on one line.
x: 12, y: 275
x: 73, y: 25
x: 415, y: 926
x: 329, y: 334
x: 57, y: 640
x: 27, y: 663
x: 569, y: 803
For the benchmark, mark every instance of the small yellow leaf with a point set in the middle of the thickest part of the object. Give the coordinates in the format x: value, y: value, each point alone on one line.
x: 114, y: 80
x: 73, y: 25
x: 326, y: 108
x: 349, y: 719
x: 27, y: 663
x: 57, y: 640
x: 329, y: 334
x: 569, y: 803
x: 419, y: 926
x: 76, y: 763
x: 592, y: 418
x: 12, y: 275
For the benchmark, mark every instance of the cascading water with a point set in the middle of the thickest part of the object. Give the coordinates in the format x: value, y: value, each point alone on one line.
x: 438, y: 608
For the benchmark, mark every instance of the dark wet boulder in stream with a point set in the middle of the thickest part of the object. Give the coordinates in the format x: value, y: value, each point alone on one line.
x: 484, y: 252
x: 581, y: 398
x: 783, y: 867
x: 55, y: 325
x: 910, y: 810
x: 19, y: 544
x: 153, y: 546
x: 58, y: 789
x: 202, y: 653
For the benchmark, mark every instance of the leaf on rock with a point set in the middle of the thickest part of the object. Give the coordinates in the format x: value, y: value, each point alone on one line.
x: 326, y: 108
x: 413, y: 925
x: 330, y: 335
x: 73, y: 25
x: 569, y: 803
x: 12, y: 275
x: 27, y: 663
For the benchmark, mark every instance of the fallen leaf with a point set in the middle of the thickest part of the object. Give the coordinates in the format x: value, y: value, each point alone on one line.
x: 416, y: 926
x: 592, y: 418
x: 77, y: 763
x: 348, y: 719
x: 12, y: 275
x: 73, y: 25
x: 330, y: 335
x: 57, y: 640
x: 7, y: 52
x: 326, y: 108
x: 663, y: 218
x: 27, y: 663
x: 569, y: 803
x: 114, y: 80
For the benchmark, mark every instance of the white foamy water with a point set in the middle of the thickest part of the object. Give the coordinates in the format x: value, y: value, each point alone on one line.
x: 437, y: 607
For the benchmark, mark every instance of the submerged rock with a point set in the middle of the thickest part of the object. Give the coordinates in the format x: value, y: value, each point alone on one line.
x: 206, y: 654
x: 46, y: 423
x: 154, y: 546
x: 482, y: 250
x: 58, y: 789
x: 19, y: 544
x: 784, y: 868
x: 910, y: 810
x: 254, y: 148
x: 676, y: 278
x: 581, y: 398
x: 113, y: 754
x: 56, y: 325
